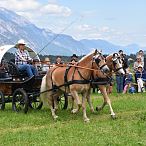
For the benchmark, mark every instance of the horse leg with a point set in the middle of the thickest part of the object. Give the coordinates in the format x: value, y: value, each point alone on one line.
x: 72, y: 102
x: 76, y: 97
x: 106, y: 100
x: 84, y: 96
x: 98, y: 108
x: 50, y: 101
x: 55, y: 103
x: 89, y: 101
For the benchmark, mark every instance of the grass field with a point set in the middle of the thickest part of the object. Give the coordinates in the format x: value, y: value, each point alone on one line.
x: 37, y: 127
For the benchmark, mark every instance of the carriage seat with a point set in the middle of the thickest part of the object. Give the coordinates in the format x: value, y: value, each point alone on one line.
x: 14, y: 71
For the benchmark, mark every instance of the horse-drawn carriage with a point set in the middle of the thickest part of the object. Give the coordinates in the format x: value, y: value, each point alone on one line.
x: 15, y: 86
x: 23, y: 91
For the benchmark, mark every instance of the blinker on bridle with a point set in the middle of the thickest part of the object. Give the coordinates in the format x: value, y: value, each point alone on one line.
x: 97, y: 61
x: 114, y: 62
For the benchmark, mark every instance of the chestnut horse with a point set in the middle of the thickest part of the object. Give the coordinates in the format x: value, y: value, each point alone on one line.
x: 115, y: 64
x: 54, y: 81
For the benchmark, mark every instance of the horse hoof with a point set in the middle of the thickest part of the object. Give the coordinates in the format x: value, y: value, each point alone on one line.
x: 97, y: 108
x: 113, y: 117
x: 87, y: 120
x: 92, y: 110
x: 56, y: 109
x: 74, y: 111
x: 55, y: 117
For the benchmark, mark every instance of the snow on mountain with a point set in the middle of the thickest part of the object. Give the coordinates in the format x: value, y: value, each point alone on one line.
x: 14, y: 27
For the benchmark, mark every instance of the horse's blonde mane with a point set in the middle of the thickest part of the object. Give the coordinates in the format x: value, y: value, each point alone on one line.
x: 110, y: 55
x: 86, y: 56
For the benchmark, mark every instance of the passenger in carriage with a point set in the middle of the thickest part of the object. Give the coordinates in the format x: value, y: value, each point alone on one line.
x: 3, y: 69
x: 22, y: 59
x: 46, y: 64
x: 2, y: 66
x: 59, y: 60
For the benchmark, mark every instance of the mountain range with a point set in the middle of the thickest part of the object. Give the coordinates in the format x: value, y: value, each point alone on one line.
x: 14, y: 27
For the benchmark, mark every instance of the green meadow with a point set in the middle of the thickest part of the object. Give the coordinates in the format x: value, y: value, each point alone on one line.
x: 37, y: 128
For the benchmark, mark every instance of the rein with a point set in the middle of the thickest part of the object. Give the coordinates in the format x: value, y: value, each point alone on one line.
x: 76, y: 66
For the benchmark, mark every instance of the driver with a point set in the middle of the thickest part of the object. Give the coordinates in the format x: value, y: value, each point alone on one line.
x: 22, y: 58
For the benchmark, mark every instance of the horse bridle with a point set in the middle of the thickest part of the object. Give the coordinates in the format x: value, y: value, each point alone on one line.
x: 97, y: 61
x: 114, y: 63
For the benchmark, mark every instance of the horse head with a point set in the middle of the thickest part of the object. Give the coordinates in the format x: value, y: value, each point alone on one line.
x: 117, y: 63
x: 100, y: 61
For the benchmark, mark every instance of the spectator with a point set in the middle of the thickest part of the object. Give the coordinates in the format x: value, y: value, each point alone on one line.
x: 132, y: 89
x: 59, y: 60
x: 137, y: 63
x: 124, y: 59
x: 141, y: 54
x: 128, y: 81
x: 74, y: 59
x: 119, y: 82
x: 140, y: 76
x: 120, y: 77
x: 46, y: 64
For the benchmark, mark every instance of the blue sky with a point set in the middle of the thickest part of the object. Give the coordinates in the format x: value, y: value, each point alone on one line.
x: 118, y: 21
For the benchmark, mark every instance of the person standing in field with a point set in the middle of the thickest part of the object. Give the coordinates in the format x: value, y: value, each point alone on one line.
x: 119, y: 77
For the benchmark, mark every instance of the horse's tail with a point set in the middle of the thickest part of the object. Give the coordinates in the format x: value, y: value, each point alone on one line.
x: 43, y: 96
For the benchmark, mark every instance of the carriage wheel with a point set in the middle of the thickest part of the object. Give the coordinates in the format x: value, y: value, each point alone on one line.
x: 35, y: 103
x: 2, y: 101
x: 20, y: 101
x: 63, y: 101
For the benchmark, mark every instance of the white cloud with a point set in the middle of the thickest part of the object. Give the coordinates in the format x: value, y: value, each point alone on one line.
x: 55, y: 9
x: 105, y: 29
x: 32, y: 9
x: 86, y: 31
x: 20, y: 5
x: 86, y: 27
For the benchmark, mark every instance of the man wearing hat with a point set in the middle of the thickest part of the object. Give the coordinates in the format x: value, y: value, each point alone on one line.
x: 22, y: 58
x: 74, y: 58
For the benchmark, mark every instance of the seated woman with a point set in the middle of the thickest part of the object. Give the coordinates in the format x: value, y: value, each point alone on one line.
x: 136, y: 64
x: 141, y: 78
x: 22, y: 58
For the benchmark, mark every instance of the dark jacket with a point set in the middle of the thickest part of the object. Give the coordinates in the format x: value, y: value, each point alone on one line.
x: 141, y: 74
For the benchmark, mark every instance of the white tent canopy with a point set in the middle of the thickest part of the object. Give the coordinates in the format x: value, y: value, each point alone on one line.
x: 6, y: 48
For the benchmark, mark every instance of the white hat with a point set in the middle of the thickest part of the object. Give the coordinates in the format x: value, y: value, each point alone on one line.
x: 140, y: 66
x: 21, y: 41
